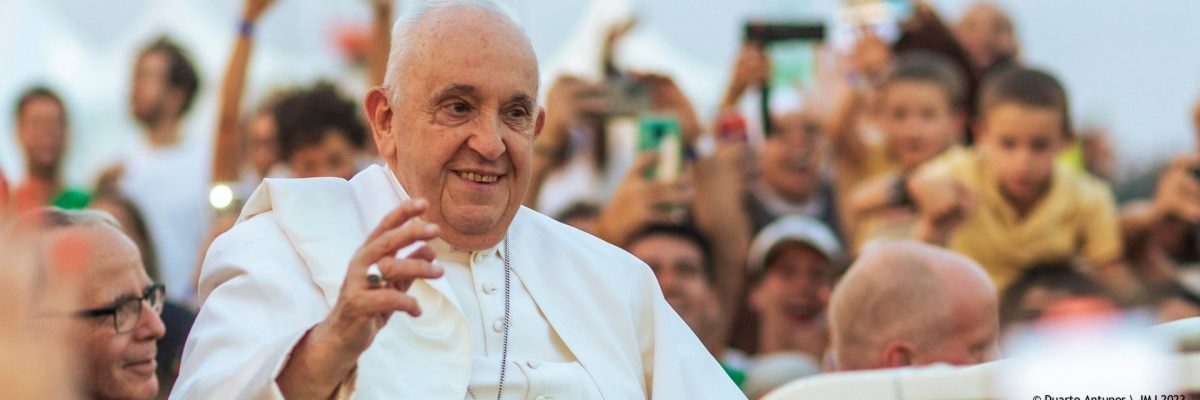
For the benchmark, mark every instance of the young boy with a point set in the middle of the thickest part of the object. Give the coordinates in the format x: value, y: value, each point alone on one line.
x: 1006, y: 203
x: 319, y: 133
x: 919, y: 113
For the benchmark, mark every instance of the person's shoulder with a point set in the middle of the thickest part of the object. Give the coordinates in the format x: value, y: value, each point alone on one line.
x: 551, y: 232
x: 594, y: 267
x: 557, y: 238
x: 1084, y: 187
x: 256, y: 246
x: 292, y: 198
x: 254, y: 235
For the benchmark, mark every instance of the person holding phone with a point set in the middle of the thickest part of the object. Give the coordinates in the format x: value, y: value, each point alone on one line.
x: 1160, y: 233
x: 786, y: 177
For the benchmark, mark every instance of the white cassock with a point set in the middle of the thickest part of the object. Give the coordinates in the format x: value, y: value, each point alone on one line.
x: 588, y: 320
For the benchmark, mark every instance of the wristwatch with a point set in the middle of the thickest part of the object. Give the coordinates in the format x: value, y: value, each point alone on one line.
x: 899, y: 195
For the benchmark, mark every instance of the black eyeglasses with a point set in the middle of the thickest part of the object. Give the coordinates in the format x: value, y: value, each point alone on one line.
x: 126, y: 311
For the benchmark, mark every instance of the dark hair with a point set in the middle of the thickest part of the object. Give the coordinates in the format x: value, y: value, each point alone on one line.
x: 682, y: 231
x: 1027, y: 87
x: 181, y: 74
x: 1055, y: 276
x: 579, y: 209
x: 304, y: 116
x: 928, y: 67
x: 33, y: 93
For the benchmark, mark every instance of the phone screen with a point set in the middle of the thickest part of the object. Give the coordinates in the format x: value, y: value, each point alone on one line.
x: 662, y: 134
x: 881, y: 17
x: 792, y: 63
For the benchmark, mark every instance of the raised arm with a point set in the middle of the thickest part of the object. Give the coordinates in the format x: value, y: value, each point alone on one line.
x: 381, y: 40
x: 567, y: 103
x: 877, y: 194
x: 639, y: 201
x: 721, y: 215
x: 751, y: 68
x: 227, y: 155
x: 864, y: 67
x: 942, y: 203
x: 328, y: 353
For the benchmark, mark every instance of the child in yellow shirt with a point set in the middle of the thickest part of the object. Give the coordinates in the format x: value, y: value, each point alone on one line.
x: 1007, y: 204
x: 920, y: 116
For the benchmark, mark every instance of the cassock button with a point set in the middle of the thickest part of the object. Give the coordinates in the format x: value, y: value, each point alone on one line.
x: 532, y: 364
x: 498, y: 326
x: 489, y: 288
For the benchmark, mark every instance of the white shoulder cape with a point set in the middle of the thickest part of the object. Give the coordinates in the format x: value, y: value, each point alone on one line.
x: 278, y: 271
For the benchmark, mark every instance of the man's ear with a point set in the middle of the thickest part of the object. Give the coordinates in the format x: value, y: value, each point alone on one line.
x: 541, y: 122
x: 379, y: 117
x: 898, y: 353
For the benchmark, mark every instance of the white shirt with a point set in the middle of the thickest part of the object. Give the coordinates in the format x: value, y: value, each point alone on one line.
x: 169, y: 185
x: 777, y: 205
x: 539, y: 364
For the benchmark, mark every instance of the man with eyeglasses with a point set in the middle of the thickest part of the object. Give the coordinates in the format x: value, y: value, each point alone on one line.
x: 118, y: 321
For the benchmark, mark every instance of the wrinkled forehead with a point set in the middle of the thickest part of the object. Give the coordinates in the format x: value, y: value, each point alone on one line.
x: 469, y: 47
x: 108, y: 262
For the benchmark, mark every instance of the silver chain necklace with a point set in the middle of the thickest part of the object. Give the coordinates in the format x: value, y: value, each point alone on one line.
x: 507, y: 308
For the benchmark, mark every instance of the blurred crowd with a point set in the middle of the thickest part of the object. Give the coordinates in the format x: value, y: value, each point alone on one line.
x: 933, y: 197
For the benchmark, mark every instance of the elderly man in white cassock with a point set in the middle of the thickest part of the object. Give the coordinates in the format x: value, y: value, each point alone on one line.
x: 426, y: 279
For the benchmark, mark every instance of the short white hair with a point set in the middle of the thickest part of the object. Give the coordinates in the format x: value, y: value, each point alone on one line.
x: 402, y: 29
x: 51, y: 218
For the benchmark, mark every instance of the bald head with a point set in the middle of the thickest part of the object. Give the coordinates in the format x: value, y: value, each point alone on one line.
x: 986, y: 32
x: 906, y: 303
x: 424, y: 27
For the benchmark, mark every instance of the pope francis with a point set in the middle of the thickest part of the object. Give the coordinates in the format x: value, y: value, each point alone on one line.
x: 425, y: 278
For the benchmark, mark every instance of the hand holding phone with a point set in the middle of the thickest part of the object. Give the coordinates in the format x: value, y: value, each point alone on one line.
x: 1178, y: 193
x: 662, y: 135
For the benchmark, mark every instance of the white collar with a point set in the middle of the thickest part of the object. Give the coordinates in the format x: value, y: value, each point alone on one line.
x: 777, y: 205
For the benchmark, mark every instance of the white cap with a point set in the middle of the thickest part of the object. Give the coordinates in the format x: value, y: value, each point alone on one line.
x: 793, y: 228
